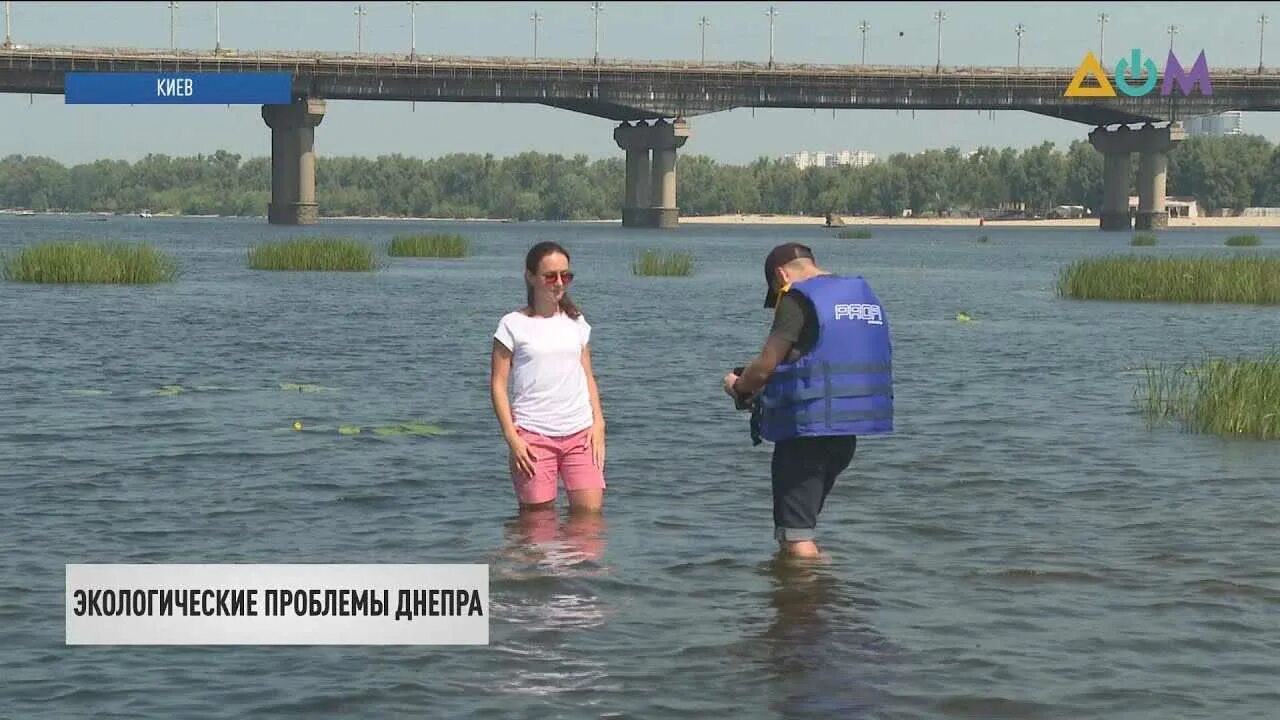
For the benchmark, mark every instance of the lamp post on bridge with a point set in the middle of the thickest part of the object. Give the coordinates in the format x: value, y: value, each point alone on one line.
x: 8, y: 39
x: 1018, y: 30
x: 360, y: 13
x: 1102, y: 37
x: 217, y: 28
x: 173, y: 6
x: 1262, y: 24
x: 596, y: 9
x: 413, y: 29
x: 535, y: 18
x: 1172, y: 30
x: 864, y: 26
x: 703, y: 24
x: 771, y: 13
x: 939, y: 17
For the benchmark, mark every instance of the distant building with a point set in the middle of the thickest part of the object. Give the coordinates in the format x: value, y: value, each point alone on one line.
x: 1176, y: 206
x: 821, y: 158
x: 1228, y: 123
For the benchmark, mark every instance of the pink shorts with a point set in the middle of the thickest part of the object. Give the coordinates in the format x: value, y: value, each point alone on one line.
x: 568, y: 457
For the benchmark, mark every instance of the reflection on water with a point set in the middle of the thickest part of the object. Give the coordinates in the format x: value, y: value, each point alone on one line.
x: 823, y: 657
x: 540, y: 594
x: 543, y: 541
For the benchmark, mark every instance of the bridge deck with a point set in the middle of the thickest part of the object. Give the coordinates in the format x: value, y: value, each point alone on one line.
x: 631, y: 90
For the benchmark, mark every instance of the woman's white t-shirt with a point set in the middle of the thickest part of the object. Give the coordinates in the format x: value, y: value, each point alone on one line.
x: 548, y: 381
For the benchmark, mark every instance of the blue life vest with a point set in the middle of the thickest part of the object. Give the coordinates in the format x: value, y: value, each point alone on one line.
x: 844, y: 384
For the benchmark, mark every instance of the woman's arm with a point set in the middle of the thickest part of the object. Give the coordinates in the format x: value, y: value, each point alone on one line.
x: 596, y: 412
x: 596, y: 434
x: 499, y: 371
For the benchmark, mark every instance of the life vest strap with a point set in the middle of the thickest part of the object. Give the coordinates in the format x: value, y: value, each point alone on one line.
x: 841, y: 416
x: 855, y: 390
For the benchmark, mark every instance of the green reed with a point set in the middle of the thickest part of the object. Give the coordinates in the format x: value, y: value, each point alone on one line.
x: 855, y: 234
x: 437, y: 245
x: 1237, y: 397
x: 663, y: 263
x: 90, y: 262
x: 1245, y: 279
x: 1143, y: 240
x: 1243, y: 241
x: 338, y: 254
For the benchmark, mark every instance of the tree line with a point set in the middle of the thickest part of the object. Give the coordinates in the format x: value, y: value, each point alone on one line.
x: 1223, y: 172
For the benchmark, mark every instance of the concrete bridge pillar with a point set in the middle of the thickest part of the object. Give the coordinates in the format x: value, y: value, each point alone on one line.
x: 1153, y: 164
x: 666, y: 138
x: 1115, y: 146
x: 1153, y: 145
x: 1115, y: 191
x: 634, y: 139
x: 293, y: 161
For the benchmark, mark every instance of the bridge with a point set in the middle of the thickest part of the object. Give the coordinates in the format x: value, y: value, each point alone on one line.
x: 652, y: 102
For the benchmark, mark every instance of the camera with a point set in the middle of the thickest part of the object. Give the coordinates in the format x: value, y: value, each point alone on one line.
x: 740, y: 402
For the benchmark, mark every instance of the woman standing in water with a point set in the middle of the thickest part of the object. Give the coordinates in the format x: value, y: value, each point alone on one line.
x: 553, y: 423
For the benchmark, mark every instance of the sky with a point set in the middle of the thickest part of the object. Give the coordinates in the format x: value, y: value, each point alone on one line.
x: 1056, y: 35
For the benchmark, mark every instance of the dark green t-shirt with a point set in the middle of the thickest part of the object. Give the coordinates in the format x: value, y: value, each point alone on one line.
x: 796, y: 322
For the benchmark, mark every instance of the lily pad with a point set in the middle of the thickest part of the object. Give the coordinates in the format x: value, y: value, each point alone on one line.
x: 169, y: 390
x: 86, y: 392
x: 410, y: 428
x: 301, y: 387
x: 348, y: 429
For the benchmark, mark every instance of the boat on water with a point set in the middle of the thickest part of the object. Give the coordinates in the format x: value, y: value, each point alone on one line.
x: 26, y: 213
x: 145, y: 214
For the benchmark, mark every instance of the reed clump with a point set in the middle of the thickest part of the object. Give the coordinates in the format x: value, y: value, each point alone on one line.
x: 324, y: 254
x: 1143, y: 240
x: 1245, y: 279
x: 660, y: 263
x: 854, y: 234
x: 1237, y: 397
x: 1243, y: 241
x: 86, y: 262
x: 440, y: 245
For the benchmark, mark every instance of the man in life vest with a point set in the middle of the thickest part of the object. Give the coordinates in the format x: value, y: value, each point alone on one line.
x: 824, y: 377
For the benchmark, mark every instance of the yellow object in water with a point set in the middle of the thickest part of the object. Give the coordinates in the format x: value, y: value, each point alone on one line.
x: 297, y: 424
x: 963, y: 317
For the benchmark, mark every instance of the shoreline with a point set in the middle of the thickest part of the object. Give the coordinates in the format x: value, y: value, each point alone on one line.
x: 1260, y: 222
x: 857, y: 221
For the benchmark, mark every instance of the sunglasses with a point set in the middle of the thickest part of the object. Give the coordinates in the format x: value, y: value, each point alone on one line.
x: 565, y: 276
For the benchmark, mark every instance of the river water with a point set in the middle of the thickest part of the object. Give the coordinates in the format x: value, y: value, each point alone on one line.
x: 1025, y: 546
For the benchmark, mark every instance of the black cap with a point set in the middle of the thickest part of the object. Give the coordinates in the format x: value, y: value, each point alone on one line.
x: 778, y: 257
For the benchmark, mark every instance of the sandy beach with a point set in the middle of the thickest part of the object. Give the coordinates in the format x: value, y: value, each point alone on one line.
x: 1206, y: 222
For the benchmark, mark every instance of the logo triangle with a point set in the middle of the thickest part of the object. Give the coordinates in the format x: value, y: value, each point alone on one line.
x: 1089, y: 66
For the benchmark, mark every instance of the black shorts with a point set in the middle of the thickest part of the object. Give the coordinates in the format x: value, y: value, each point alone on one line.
x: 804, y: 469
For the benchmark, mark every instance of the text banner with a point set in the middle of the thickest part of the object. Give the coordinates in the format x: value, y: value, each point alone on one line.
x: 277, y: 605
x: 173, y: 88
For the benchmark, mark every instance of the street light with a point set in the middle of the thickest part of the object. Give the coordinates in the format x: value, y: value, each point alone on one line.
x: 771, y: 13
x: 1018, y: 30
x: 864, y: 26
x: 8, y: 39
x: 1262, y: 24
x: 596, y: 9
x: 703, y: 24
x: 1172, y: 30
x: 939, y: 17
x: 360, y: 12
x: 413, y: 29
x: 1102, y: 29
x: 217, y: 28
x: 172, y: 7
x: 535, y: 18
